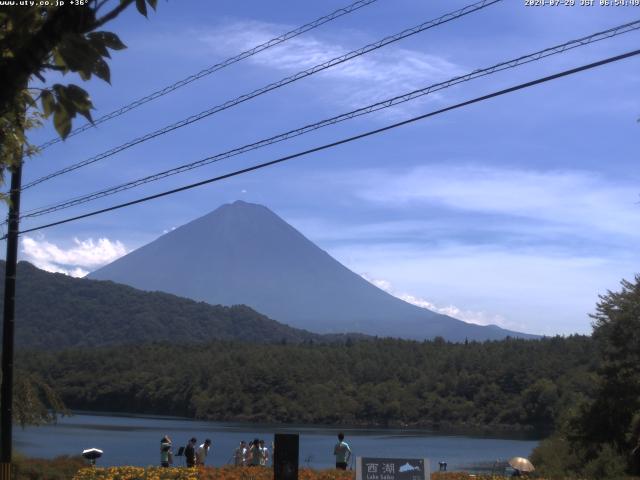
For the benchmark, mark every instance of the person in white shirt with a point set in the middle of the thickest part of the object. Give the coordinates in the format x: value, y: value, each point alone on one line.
x: 342, y: 453
x: 240, y: 455
x: 264, y: 454
x: 202, y: 451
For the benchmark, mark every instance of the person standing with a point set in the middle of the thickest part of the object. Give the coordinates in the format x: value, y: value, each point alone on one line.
x: 342, y: 453
x: 264, y: 454
x: 240, y: 455
x: 166, y: 455
x: 202, y: 452
x: 254, y: 453
x: 190, y: 452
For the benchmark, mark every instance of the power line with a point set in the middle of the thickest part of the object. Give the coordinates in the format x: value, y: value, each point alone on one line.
x: 214, y: 68
x: 272, y: 86
x: 343, y: 141
x: 619, y: 30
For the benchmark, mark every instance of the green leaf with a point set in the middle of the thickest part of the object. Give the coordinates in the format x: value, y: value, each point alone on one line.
x: 63, y: 101
x: 79, y: 55
x: 101, y: 69
x: 29, y: 99
x: 152, y: 3
x: 48, y: 102
x: 107, y: 39
x: 58, y: 60
x: 80, y: 100
x: 86, y: 114
x: 98, y: 45
x: 62, y: 121
x: 142, y: 7
x: 78, y: 96
x: 112, y: 41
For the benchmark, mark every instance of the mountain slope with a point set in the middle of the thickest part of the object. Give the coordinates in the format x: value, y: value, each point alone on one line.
x: 55, y: 311
x: 243, y: 253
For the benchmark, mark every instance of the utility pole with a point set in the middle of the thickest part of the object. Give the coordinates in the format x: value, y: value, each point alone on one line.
x: 8, y: 324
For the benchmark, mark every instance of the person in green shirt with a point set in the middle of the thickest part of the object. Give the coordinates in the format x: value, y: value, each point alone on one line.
x: 166, y: 455
x: 342, y: 452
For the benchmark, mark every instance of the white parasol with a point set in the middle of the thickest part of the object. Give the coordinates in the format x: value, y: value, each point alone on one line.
x: 522, y: 464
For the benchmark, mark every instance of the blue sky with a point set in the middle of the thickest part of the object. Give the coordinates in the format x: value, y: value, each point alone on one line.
x: 517, y: 211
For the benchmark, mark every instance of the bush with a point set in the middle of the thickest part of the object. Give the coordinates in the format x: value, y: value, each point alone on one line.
x: 554, y: 458
x: 59, y: 468
x: 608, y: 464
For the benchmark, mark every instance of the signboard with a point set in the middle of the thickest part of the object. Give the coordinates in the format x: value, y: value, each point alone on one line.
x: 369, y: 468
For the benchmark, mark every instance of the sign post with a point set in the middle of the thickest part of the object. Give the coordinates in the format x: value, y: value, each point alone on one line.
x: 8, y: 327
x: 369, y: 468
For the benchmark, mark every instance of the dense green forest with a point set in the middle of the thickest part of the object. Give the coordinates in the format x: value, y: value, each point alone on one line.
x: 599, y: 436
x: 56, y: 311
x: 517, y: 384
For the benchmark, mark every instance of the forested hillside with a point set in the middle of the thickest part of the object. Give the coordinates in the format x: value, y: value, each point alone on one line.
x: 511, y: 383
x: 55, y: 311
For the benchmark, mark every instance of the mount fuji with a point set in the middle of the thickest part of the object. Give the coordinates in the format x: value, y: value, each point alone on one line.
x: 243, y: 253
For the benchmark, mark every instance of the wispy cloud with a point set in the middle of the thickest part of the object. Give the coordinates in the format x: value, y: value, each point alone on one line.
x: 77, y: 260
x: 575, y: 199
x: 543, y: 291
x: 377, y: 75
x: 479, y: 318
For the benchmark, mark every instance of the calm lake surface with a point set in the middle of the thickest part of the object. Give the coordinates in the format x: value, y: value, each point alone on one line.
x: 135, y: 440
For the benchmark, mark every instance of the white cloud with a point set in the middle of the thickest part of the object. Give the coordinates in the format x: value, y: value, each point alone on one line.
x: 479, y: 318
x: 538, y: 292
x: 77, y: 260
x: 575, y: 199
x: 374, y: 76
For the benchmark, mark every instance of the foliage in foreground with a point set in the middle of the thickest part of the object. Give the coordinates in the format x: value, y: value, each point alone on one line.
x: 37, y: 39
x: 266, y: 473
x: 59, y: 468
x: 34, y: 401
x: 206, y: 473
x: 75, y: 468
x: 600, y: 437
x: 235, y: 473
x: 136, y: 473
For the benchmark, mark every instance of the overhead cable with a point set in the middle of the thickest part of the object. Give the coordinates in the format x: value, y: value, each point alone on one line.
x: 272, y: 86
x: 525, y: 59
x: 214, y: 68
x: 340, y: 142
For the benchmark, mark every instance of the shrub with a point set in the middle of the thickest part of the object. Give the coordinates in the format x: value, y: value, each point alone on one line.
x: 607, y: 464
x: 59, y: 468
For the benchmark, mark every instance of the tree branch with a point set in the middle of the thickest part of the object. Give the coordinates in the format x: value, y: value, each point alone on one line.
x: 50, y: 66
x: 99, y: 4
x: 111, y: 15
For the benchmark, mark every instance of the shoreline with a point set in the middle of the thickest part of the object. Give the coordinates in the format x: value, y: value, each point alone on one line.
x: 483, y: 431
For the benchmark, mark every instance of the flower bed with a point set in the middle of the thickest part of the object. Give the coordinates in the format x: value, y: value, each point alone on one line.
x: 206, y: 473
x: 234, y: 473
x: 266, y: 473
x: 136, y: 473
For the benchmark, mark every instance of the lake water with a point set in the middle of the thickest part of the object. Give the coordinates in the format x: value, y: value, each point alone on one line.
x: 129, y: 440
